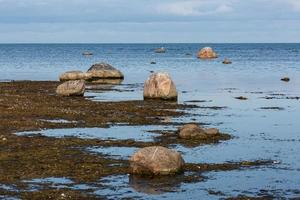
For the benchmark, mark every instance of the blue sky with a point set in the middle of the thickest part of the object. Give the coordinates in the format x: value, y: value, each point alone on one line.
x: 149, y: 21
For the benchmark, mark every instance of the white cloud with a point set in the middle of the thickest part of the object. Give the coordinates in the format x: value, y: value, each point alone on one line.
x: 195, y: 7
x: 294, y: 3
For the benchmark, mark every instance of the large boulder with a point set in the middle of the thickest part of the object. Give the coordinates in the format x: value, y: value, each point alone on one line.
x: 71, y: 88
x: 207, y: 53
x: 160, y: 86
x: 104, y: 71
x: 73, y: 75
x: 156, y: 160
x: 193, y: 131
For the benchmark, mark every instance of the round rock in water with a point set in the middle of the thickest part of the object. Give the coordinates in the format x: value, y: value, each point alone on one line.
x: 160, y: 86
x: 73, y: 75
x: 190, y: 131
x: 156, y: 160
x: 104, y: 71
x: 71, y: 88
x: 207, y: 53
x: 227, y: 61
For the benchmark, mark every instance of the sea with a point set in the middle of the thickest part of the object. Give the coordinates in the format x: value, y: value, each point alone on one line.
x: 265, y: 126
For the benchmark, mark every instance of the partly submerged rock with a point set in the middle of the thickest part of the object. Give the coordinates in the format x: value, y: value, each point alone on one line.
x: 285, y: 79
x: 71, y: 88
x: 73, y: 75
x: 104, y: 71
x: 227, y: 61
x: 190, y: 131
x: 212, y: 132
x: 156, y: 160
x: 107, y: 81
x: 241, y: 98
x: 87, y: 53
x: 193, y: 131
x: 207, y: 53
x: 160, y: 50
x: 160, y: 86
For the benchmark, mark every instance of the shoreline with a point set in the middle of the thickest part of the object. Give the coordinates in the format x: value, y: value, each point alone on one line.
x: 24, y: 103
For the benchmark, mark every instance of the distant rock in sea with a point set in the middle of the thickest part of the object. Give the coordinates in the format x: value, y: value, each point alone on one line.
x: 207, y: 53
x: 156, y: 160
x: 285, y: 79
x: 160, y: 86
x: 241, y: 98
x: 87, y: 53
x: 71, y: 88
x: 160, y: 50
x: 227, y: 61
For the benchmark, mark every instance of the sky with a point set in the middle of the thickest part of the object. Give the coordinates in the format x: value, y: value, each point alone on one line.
x: 149, y: 21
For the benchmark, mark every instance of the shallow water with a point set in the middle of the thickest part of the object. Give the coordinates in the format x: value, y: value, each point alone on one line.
x: 258, y: 133
x: 137, y: 133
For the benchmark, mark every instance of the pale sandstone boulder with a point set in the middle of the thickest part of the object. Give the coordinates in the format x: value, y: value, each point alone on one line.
x: 160, y: 86
x: 71, y: 88
x: 104, y: 71
x: 73, y: 75
x: 207, y: 53
x: 156, y: 160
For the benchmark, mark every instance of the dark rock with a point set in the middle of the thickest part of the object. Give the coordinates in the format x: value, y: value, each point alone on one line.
x: 87, y: 53
x: 241, y: 98
x: 285, y: 79
x: 227, y: 61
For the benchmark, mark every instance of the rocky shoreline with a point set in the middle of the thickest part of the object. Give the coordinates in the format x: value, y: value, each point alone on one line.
x: 31, y: 105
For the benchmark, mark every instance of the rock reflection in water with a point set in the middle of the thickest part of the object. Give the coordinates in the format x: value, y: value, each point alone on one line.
x: 154, y: 186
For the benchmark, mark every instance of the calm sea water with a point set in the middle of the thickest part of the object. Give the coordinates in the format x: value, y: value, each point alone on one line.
x: 255, y: 73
